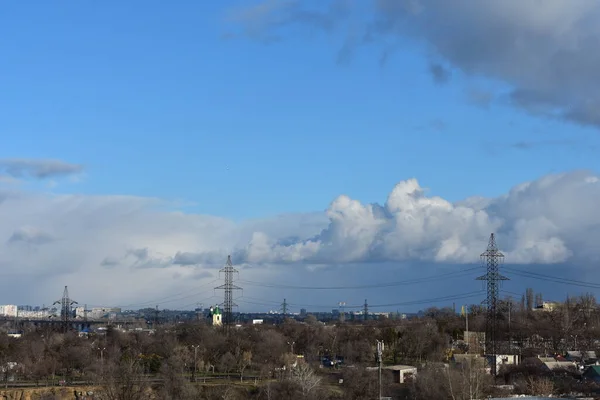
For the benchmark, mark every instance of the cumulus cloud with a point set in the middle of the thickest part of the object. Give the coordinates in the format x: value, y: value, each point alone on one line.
x: 125, y: 245
x: 18, y: 168
x: 546, y: 52
x: 536, y: 222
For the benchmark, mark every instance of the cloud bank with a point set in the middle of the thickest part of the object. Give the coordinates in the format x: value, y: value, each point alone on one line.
x: 119, y: 246
x: 546, y: 53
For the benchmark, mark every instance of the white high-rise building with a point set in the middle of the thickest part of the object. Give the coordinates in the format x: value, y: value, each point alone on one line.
x: 8, y: 310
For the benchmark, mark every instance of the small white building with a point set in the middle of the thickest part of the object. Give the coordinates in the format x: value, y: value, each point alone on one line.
x: 505, y: 359
x: 402, y: 373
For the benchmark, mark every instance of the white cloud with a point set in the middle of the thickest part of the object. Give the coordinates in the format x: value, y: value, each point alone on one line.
x: 545, y: 51
x: 127, y: 249
x: 543, y: 222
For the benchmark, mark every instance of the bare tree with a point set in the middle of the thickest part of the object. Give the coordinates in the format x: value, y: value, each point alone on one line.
x: 529, y: 298
x: 470, y: 382
x: 227, y: 363
x: 175, y: 386
x: 125, y: 381
x: 539, y: 386
x: 244, y: 362
x: 267, y: 391
x: 306, y: 378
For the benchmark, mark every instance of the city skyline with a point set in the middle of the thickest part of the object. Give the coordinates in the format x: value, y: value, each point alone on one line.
x: 333, y: 144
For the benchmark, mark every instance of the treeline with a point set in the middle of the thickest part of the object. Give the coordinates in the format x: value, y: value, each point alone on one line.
x: 197, y: 361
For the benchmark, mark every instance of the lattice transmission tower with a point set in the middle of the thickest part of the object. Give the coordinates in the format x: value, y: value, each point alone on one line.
x: 491, y: 260
x: 228, y: 287
x: 65, y: 309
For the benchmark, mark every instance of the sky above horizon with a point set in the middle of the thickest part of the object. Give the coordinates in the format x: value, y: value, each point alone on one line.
x: 338, y: 150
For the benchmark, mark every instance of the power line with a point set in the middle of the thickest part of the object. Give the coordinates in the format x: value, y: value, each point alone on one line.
x: 432, y: 278
x: 433, y: 300
x: 177, y: 296
x: 359, y: 306
x: 555, y: 279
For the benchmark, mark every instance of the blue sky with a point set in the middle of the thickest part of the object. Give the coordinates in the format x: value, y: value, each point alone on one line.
x: 154, y: 101
x: 191, y: 102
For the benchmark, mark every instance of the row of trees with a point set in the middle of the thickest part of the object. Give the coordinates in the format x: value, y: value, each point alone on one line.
x: 264, y: 361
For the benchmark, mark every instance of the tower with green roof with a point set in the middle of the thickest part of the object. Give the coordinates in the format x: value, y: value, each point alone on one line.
x: 217, y: 316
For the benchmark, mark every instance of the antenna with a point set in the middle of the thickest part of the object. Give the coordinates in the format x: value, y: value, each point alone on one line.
x: 380, y: 348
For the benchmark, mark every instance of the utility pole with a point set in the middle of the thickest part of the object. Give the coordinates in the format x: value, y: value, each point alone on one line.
x: 491, y: 259
x: 228, y: 287
x: 380, y: 348
x: 195, y: 347
x: 509, y: 331
x: 465, y: 309
x: 65, y: 309
x: 102, y: 361
x: 467, y: 328
x: 155, y: 317
x: 366, y: 310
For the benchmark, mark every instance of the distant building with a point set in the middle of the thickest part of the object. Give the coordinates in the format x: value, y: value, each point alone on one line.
x: 101, y: 312
x: 34, y: 314
x: 80, y: 312
x: 8, y: 310
x: 547, y: 306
